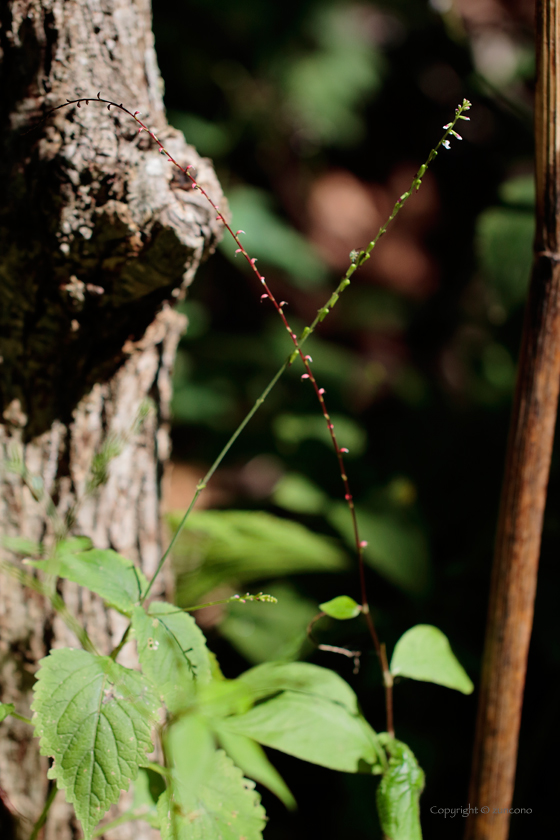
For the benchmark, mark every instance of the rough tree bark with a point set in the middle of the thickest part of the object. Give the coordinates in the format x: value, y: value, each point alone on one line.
x: 98, y: 235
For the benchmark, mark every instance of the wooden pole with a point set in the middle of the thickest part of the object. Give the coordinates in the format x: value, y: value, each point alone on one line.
x: 518, y: 539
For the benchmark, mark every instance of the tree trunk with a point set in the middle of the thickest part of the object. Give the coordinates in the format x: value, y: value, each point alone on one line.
x: 98, y: 235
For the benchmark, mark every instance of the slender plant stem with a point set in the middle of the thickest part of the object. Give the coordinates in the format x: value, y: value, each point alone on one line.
x: 202, y: 484
x: 23, y: 718
x: 44, y: 813
x: 357, y: 259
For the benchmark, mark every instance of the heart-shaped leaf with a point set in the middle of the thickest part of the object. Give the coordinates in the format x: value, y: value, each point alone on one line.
x: 424, y: 653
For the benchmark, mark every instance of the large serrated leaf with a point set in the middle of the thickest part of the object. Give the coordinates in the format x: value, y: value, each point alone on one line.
x: 226, y: 806
x: 424, y: 653
x: 311, y: 728
x: 117, y: 580
x: 94, y: 718
x: 399, y: 792
x: 172, y: 651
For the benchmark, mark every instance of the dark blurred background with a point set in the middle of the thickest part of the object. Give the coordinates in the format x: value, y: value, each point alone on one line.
x: 316, y: 114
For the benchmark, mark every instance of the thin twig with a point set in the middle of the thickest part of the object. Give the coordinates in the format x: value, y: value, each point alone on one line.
x: 44, y: 813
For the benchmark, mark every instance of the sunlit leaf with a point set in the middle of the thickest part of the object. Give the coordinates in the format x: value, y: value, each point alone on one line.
x: 221, y: 698
x: 424, y: 653
x: 117, y: 580
x: 252, y: 760
x: 21, y: 545
x: 343, y: 607
x: 94, y: 718
x: 172, y: 651
x: 226, y: 806
x: 271, y: 677
x: 190, y: 752
x: 311, y: 728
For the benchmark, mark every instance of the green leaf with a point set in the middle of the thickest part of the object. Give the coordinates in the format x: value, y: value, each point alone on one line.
x: 519, y: 191
x: 117, y: 580
x: 311, y: 728
x: 295, y: 429
x: 398, y: 793
x: 221, y: 698
x: 343, y: 607
x: 94, y: 718
x: 396, y: 548
x: 261, y: 634
x: 297, y: 493
x: 208, y: 136
x: 252, y: 760
x: 6, y: 709
x: 189, y: 750
x: 271, y: 677
x: 325, y: 87
x: 21, y: 545
x: 243, y: 546
x: 226, y: 806
x: 172, y: 652
x: 424, y: 653
x: 504, y: 239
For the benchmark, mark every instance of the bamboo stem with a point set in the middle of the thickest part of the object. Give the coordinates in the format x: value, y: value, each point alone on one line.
x: 518, y: 539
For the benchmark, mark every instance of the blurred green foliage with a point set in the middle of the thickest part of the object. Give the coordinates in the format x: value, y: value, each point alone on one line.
x: 419, y: 378
x: 240, y: 547
x: 271, y: 634
x: 505, y: 238
x: 272, y: 240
